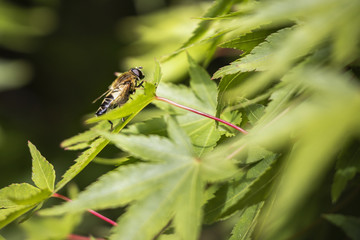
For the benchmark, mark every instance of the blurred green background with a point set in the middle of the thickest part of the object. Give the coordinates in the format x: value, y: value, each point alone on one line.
x: 56, y: 57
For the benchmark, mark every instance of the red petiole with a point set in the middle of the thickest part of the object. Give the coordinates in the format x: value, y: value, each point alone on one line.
x: 89, y: 210
x: 201, y: 113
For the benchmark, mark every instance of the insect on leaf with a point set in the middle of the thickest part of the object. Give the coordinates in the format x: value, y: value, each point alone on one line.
x: 140, y: 100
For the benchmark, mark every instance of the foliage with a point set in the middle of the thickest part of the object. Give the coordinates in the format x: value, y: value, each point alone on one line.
x: 294, y: 87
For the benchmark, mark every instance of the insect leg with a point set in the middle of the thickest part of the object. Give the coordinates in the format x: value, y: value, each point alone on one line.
x: 140, y: 84
x: 111, y: 128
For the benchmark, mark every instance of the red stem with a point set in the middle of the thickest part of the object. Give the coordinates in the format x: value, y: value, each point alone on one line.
x: 77, y: 237
x: 201, y: 113
x: 89, y: 210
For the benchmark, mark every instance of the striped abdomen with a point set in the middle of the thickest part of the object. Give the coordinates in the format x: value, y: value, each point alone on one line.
x: 105, y: 105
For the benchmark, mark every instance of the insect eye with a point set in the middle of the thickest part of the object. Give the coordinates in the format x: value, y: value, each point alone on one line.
x: 138, y: 72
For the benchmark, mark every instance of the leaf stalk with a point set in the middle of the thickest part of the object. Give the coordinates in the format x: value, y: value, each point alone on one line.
x: 89, y: 210
x: 201, y: 113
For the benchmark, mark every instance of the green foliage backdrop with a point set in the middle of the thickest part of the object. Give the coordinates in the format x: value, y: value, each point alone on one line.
x: 292, y: 83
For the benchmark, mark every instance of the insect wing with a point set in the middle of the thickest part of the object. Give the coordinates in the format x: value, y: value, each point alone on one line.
x: 102, y: 95
x: 122, y: 79
x: 121, y: 95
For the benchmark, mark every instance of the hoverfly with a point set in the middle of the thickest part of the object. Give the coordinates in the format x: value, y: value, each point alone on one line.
x: 120, y: 90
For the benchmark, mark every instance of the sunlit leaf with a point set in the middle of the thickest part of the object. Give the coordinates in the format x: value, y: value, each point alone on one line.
x: 201, y: 84
x: 247, y: 42
x: 219, y: 7
x: 174, y: 174
x: 259, y: 59
x: 43, y: 173
x: 17, y: 199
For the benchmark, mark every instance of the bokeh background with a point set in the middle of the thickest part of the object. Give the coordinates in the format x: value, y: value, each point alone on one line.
x: 56, y: 57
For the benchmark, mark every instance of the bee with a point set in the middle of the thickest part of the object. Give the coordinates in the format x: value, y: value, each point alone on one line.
x: 120, y: 90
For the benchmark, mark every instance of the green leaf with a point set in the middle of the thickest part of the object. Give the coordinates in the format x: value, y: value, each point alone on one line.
x: 132, y: 107
x: 156, y: 210
x: 178, y: 136
x: 179, y: 94
x: 214, y: 170
x: 51, y: 228
x: 119, y: 187
x: 254, y: 112
x: 17, y: 199
x: 350, y: 225
x: 237, y: 151
x: 219, y: 7
x: 297, y: 185
x: 247, y: 188
x: 112, y: 161
x: 10, y: 214
x: 157, y: 74
x: 15, y: 193
x: 202, y: 131
x: 346, y: 168
x: 155, y: 126
x: 259, y: 58
x: 248, y: 41
x: 83, y: 140
x: 247, y: 222
x: 234, y: 117
x: 202, y: 85
x: 227, y: 83
x: 346, y: 38
x: 341, y: 178
x: 144, y: 147
x: 146, y: 218
x: 172, y: 175
x: 279, y: 100
x: 188, y: 217
x: 169, y: 237
x: 82, y: 161
x: 43, y: 174
x: 87, y: 156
